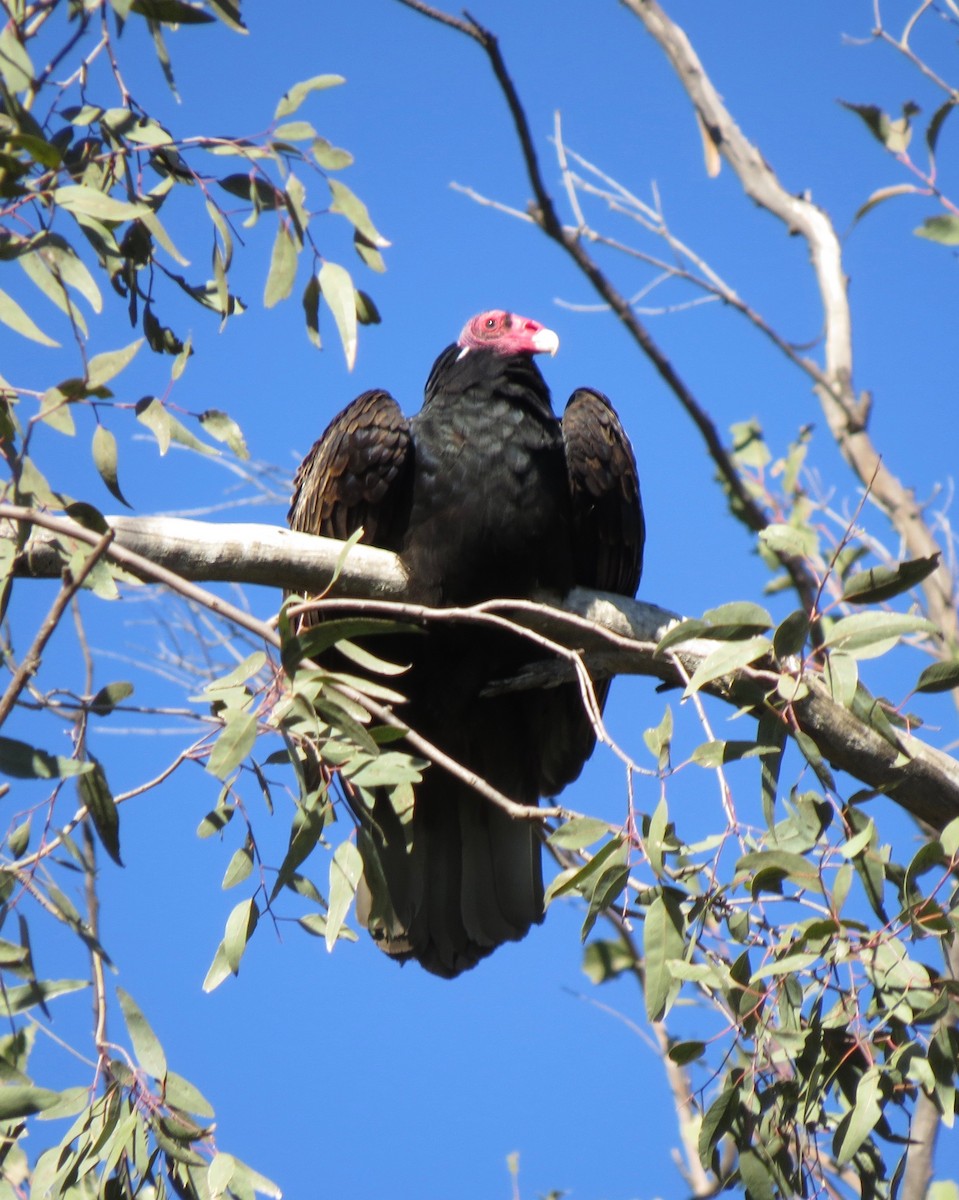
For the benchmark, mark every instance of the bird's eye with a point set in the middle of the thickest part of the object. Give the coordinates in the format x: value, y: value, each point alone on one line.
x: 490, y: 322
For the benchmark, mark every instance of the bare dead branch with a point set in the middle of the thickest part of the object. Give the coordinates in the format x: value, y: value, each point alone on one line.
x: 799, y: 215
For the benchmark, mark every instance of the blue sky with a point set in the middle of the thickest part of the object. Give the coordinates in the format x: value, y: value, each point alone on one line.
x: 340, y: 1075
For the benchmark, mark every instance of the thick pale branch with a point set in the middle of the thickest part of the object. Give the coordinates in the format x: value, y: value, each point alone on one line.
x: 616, y: 635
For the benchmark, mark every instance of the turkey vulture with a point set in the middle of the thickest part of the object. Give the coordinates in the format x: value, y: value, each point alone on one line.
x: 483, y: 494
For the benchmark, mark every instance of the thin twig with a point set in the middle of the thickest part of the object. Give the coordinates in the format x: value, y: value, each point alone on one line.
x: 71, y: 585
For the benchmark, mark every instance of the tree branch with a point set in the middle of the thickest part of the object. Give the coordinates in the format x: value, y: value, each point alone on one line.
x: 799, y: 215
x: 615, y: 635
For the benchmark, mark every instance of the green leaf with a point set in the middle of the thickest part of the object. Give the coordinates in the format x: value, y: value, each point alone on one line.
x: 349, y: 205
x: 28, y: 762
x: 95, y: 794
x: 219, y: 1173
x: 882, y: 583
x: 788, y: 540
x: 12, y: 314
x: 603, y: 960
x: 219, y: 969
x: 224, y: 429
x: 346, y: 868
x: 329, y: 157
x: 240, y: 925
x: 311, y: 310
x: 759, y: 1181
x: 234, y: 743
x: 80, y: 199
x: 104, y: 367
x: 24, y: 1100
x: 579, y: 832
x: 183, y: 1095
x: 292, y: 99
x: 859, y: 1123
x: 238, y: 869
x: 109, y: 696
x: 282, y: 273
x: 717, y: 1120
x: 942, y: 229
x: 791, y: 634
x: 939, y: 677
x: 171, y: 12
x: 584, y: 878
x: 738, y: 619
x: 682, y: 1053
x: 842, y: 677
x: 15, y: 65
x: 337, y: 288
x: 659, y: 739
x: 146, y: 1045
x: 15, y: 1000
x: 869, y: 634
x: 766, y: 868
x: 294, y: 131
x: 727, y: 659
x: 55, y: 412
x: 105, y: 461
x: 216, y: 820
x: 716, y: 753
x: 663, y: 942
x: 166, y: 428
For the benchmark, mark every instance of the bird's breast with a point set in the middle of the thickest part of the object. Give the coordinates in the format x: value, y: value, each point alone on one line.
x: 491, y: 511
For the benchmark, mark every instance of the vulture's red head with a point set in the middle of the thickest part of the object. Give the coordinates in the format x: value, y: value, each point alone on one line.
x: 507, y: 333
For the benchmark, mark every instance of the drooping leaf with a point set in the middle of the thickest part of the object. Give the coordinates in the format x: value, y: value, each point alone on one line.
x: 240, y: 925
x: 346, y: 867
x: 311, y: 310
x: 791, y: 634
x: 337, y: 289
x: 663, y: 942
x: 349, y: 205
x: 282, y: 273
x: 12, y: 315
x: 15, y: 65
x: 95, y: 794
x: 224, y: 429
x: 859, y: 1123
x: 146, y: 1045
x: 105, y: 461
x: 234, y: 743
x: 239, y: 868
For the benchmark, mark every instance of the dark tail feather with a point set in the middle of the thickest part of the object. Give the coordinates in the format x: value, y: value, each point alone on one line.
x: 461, y: 880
